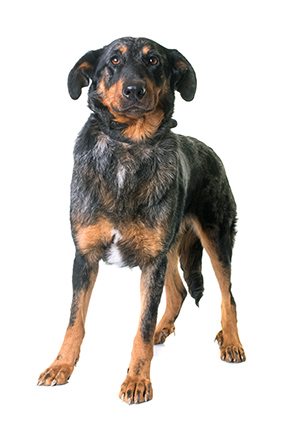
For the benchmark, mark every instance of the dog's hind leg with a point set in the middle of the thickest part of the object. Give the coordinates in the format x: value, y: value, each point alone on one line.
x: 219, y: 245
x: 175, y: 295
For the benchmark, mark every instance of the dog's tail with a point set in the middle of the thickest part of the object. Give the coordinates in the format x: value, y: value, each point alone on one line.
x: 190, y: 256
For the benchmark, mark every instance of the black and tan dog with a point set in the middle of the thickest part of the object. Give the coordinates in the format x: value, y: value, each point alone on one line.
x: 144, y: 196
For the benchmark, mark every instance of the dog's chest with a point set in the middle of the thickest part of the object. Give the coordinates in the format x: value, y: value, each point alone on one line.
x: 123, y: 199
x: 112, y: 253
x: 134, y: 245
x: 124, y: 169
x: 135, y: 169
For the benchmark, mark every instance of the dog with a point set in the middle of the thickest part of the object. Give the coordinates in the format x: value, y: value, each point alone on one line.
x: 143, y: 196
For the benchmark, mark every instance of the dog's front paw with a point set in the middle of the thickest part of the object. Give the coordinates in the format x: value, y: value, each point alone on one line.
x: 229, y: 351
x: 136, y: 390
x: 56, y: 375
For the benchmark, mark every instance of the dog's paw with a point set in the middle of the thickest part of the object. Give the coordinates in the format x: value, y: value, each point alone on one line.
x: 56, y: 375
x: 230, y: 352
x: 135, y: 390
x: 162, y: 333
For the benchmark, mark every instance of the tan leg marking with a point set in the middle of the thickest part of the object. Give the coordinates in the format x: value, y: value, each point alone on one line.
x: 231, y: 349
x: 137, y: 387
x: 61, y: 369
x: 175, y: 295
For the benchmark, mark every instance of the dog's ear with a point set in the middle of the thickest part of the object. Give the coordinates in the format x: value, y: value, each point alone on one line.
x: 82, y: 72
x: 183, y: 74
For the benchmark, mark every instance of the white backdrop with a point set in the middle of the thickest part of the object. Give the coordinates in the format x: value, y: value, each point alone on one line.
x: 246, y: 56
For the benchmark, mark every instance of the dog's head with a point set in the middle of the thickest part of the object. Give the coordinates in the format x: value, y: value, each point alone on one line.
x: 133, y: 84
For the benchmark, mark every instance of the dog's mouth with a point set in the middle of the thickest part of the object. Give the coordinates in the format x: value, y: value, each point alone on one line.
x: 133, y: 110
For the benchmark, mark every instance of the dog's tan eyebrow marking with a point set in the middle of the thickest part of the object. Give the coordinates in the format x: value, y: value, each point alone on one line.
x: 146, y: 49
x: 123, y: 49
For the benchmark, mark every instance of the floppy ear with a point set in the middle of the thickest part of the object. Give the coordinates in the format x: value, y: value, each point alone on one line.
x: 83, y: 70
x: 184, y: 77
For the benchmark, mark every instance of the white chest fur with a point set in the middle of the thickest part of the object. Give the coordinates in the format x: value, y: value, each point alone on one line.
x: 113, y: 254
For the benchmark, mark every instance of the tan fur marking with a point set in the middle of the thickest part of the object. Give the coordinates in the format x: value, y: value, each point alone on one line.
x: 123, y: 49
x: 74, y: 335
x: 146, y: 49
x: 222, y: 275
x: 181, y: 65
x: 145, y: 126
x: 175, y: 295
x: 61, y: 369
x: 111, y: 97
x: 228, y: 338
x: 84, y: 65
x: 145, y: 239
x: 89, y: 237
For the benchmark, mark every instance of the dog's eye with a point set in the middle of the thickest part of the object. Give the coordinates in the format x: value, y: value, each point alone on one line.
x: 153, y: 60
x: 115, y: 60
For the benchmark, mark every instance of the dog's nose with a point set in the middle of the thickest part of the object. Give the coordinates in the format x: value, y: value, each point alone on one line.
x: 134, y: 90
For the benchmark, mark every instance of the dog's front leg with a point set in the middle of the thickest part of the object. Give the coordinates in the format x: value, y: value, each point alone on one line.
x: 137, y: 386
x: 84, y: 276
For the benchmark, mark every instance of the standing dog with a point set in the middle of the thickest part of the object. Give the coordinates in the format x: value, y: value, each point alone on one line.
x: 144, y: 196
